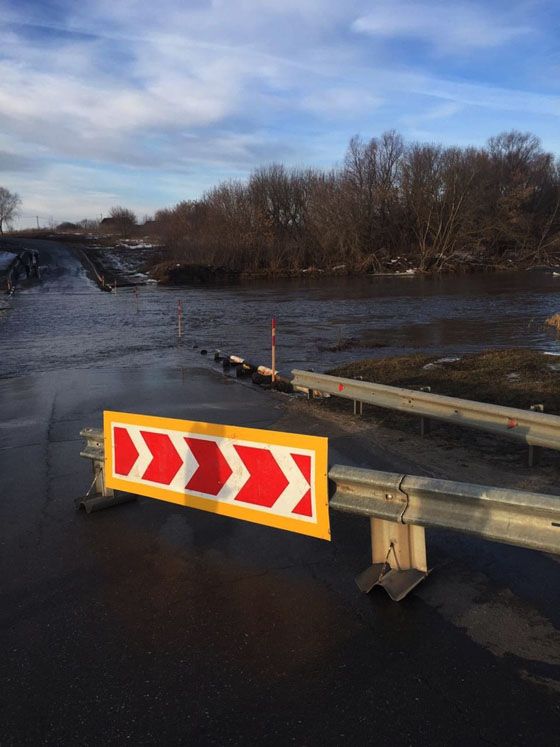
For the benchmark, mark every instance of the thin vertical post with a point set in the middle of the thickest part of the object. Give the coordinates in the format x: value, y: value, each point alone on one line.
x: 425, y: 423
x: 534, y: 454
x: 273, y: 378
x: 179, y: 318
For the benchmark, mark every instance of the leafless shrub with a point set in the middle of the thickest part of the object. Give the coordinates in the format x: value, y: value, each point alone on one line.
x: 389, y: 204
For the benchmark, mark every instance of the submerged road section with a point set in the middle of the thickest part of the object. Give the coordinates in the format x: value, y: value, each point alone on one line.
x: 153, y: 623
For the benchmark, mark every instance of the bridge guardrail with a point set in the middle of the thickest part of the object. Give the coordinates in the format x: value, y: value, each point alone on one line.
x: 400, y: 507
x: 528, y: 426
x: 515, y: 517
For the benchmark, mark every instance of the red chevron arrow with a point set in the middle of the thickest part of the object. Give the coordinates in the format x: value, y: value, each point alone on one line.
x: 126, y: 453
x: 213, y: 470
x: 304, y: 507
x: 266, y: 481
x: 166, y: 461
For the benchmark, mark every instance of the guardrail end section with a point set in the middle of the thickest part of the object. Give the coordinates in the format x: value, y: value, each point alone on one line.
x: 99, y: 496
x: 398, y: 559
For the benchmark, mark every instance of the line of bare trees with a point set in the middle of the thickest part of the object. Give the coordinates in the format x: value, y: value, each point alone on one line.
x: 439, y: 207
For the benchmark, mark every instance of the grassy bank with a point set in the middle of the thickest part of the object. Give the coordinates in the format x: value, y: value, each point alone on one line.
x: 515, y: 377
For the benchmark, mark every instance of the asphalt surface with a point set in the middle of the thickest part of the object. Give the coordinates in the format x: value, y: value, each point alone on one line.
x: 155, y: 624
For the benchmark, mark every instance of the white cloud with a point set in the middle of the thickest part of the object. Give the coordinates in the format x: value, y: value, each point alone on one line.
x: 188, y: 93
x: 433, y: 114
x: 341, y: 101
x: 484, y: 96
x: 448, y: 26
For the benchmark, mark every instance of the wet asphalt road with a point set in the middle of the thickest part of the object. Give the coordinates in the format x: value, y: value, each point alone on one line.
x: 151, y: 623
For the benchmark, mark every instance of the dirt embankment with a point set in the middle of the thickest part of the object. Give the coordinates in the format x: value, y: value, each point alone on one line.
x: 109, y: 258
x: 130, y: 261
x: 177, y: 273
x: 515, y: 378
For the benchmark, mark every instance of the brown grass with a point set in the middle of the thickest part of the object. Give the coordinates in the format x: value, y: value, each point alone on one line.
x: 554, y: 321
x: 515, y: 377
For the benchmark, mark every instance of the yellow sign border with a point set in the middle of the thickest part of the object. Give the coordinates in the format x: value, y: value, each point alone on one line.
x: 318, y: 444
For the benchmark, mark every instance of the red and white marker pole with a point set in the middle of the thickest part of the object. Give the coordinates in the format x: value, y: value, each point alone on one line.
x: 273, y: 378
x: 179, y: 318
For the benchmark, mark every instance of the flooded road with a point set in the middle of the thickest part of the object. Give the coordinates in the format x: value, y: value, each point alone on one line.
x: 66, y: 321
x: 150, y: 623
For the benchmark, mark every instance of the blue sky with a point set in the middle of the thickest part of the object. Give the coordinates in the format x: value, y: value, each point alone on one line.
x: 106, y: 102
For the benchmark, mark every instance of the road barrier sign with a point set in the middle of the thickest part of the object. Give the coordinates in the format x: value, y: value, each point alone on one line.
x: 280, y: 479
x: 267, y: 477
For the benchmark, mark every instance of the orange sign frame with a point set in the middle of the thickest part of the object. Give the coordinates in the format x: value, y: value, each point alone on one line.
x: 316, y: 446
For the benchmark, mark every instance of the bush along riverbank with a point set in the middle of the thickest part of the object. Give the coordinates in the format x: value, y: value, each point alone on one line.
x: 390, y: 207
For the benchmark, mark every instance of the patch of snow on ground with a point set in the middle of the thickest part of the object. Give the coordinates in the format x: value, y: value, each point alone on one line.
x: 6, y: 259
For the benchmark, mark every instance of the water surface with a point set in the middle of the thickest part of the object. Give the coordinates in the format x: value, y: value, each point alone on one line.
x: 66, y: 321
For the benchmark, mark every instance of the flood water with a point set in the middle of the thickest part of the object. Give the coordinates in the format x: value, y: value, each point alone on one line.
x: 66, y: 321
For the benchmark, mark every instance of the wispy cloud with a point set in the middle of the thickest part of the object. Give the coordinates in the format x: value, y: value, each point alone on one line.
x: 14, y: 162
x: 147, y: 103
x: 446, y: 25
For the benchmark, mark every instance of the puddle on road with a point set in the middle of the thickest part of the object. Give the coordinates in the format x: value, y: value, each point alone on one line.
x: 500, y: 622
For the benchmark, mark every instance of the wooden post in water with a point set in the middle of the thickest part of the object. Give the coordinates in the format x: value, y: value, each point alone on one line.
x: 273, y: 377
x: 136, y: 298
x: 179, y: 318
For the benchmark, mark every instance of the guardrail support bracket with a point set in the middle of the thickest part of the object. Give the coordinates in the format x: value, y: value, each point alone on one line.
x: 398, y: 559
x: 103, y: 497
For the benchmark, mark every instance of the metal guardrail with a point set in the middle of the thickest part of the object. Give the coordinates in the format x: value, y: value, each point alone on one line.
x: 533, y: 428
x: 400, y: 507
x: 516, y: 517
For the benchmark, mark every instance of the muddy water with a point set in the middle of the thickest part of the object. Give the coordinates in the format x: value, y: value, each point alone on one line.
x: 66, y: 321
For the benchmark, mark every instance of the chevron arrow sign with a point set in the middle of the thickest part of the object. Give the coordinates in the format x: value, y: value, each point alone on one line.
x: 268, y: 477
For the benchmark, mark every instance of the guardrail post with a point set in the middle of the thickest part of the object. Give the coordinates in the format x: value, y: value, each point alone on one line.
x: 398, y: 549
x: 425, y: 423
x: 398, y: 554
x: 103, y: 497
x: 425, y: 426
x: 534, y: 454
x: 358, y: 408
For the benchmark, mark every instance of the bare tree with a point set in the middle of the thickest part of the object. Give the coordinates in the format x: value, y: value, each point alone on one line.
x: 10, y: 203
x: 123, y: 219
x: 434, y: 207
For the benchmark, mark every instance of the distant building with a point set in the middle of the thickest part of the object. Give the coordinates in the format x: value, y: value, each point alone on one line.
x: 67, y: 226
